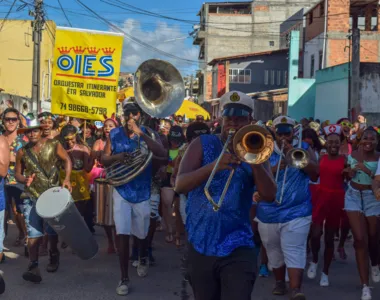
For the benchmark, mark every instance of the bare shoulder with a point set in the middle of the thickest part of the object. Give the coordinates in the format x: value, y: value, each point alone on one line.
x: 3, y: 140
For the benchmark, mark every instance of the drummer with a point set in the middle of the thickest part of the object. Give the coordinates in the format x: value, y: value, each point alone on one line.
x: 41, y: 173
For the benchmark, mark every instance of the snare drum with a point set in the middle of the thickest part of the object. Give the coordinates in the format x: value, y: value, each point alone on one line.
x: 56, y: 206
x: 104, y: 203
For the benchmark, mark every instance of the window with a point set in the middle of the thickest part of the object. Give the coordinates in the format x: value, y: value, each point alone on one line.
x: 278, y: 77
x: 312, y: 66
x: 266, y: 77
x: 240, y: 76
x: 272, y: 76
x: 271, y: 43
x: 310, y: 17
x: 286, y: 78
x: 320, y: 60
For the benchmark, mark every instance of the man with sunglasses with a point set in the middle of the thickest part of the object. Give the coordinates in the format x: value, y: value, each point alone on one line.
x: 38, y: 173
x: 284, y: 225
x: 221, y: 257
x: 131, y: 200
x: 13, y: 190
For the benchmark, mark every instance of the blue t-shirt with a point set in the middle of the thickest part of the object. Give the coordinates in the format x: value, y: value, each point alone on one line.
x: 220, y: 233
x: 296, y: 200
x: 137, y: 190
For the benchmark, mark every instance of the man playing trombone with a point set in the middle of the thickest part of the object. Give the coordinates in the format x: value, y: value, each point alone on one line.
x: 284, y: 224
x: 221, y: 257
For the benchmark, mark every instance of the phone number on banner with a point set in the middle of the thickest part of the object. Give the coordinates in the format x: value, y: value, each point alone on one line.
x: 94, y: 110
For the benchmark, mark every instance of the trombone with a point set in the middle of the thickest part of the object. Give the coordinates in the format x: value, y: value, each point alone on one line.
x: 252, y: 144
x: 297, y: 158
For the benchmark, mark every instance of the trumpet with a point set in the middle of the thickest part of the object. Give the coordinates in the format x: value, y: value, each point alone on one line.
x: 252, y: 144
x: 297, y: 158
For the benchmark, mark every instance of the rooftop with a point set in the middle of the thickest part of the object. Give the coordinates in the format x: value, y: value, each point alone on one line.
x: 224, y: 4
x: 215, y: 60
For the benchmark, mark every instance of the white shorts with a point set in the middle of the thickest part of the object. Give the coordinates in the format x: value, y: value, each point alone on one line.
x: 131, y: 218
x: 286, y: 242
x: 182, y: 207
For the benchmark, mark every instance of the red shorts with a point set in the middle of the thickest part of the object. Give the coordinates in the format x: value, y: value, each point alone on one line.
x: 314, y: 193
x: 328, y: 208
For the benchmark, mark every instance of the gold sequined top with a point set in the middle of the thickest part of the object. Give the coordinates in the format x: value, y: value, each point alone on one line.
x: 48, y: 160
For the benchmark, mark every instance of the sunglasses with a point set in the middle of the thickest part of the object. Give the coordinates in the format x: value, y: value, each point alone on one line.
x: 10, y: 120
x: 347, y: 124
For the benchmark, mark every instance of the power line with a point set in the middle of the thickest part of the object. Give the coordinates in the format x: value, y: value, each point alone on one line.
x: 132, y: 38
x: 7, y: 15
x: 59, y: 2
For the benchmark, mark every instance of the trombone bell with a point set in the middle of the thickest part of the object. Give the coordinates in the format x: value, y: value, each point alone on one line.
x: 253, y: 144
x: 298, y: 158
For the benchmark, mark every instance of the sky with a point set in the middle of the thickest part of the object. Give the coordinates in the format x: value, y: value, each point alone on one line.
x: 167, y: 35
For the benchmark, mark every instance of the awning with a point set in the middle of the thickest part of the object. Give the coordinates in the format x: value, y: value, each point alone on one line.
x: 191, y: 110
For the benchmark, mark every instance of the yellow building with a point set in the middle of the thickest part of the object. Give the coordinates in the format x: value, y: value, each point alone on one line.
x: 16, y: 58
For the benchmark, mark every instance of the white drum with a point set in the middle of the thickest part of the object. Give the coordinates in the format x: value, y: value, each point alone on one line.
x: 57, y: 208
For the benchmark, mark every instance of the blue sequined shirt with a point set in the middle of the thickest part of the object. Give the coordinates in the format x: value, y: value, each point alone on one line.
x: 220, y: 233
x: 296, y: 201
x: 138, y: 190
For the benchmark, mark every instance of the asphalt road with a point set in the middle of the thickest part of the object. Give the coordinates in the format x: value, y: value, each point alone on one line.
x: 97, y: 279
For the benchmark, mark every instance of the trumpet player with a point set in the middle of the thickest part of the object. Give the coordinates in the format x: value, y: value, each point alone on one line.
x: 131, y: 200
x: 221, y: 257
x: 284, y: 225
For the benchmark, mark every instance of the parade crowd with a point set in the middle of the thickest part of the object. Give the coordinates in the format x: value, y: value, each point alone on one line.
x: 273, y: 213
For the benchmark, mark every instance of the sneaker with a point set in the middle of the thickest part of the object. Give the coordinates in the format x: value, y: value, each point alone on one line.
x: 366, y: 293
x: 143, y: 267
x: 324, y: 280
x: 33, y: 273
x: 122, y: 289
x: 280, y: 288
x: 297, y: 295
x: 134, y: 259
x: 53, y: 262
x: 312, y: 270
x: 152, y: 260
x: 375, y: 274
x: 263, y: 272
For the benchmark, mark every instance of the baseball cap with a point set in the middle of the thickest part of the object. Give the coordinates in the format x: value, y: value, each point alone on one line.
x: 236, y: 103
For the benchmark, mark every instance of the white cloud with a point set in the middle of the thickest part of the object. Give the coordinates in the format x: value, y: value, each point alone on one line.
x: 162, y: 36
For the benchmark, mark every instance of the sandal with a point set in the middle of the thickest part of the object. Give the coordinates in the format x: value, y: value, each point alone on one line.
x: 169, y: 238
x: 64, y: 245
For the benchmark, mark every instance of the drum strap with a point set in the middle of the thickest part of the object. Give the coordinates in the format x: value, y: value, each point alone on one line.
x: 34, y: 159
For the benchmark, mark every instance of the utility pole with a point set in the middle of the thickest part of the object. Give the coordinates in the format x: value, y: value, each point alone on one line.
x: 191, y: 85
x: 37, y: 26
x: 355, y: 78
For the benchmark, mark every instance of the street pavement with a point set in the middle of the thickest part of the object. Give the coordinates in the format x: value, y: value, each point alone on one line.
x: 97, y: 279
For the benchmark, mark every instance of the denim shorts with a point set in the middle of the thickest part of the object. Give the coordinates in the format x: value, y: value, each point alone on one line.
x: 35, y: 225
x: 363, y: 201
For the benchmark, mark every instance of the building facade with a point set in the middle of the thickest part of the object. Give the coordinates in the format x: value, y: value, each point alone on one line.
x: 327, y: 33
x: 250, y: 73
x: 233, y: 28
x: 16, y: 60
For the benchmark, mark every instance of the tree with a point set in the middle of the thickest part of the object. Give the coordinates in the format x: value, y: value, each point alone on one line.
x: 121, y: 83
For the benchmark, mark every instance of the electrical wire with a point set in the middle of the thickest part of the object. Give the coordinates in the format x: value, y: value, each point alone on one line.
x: 59, y: 2
x: 132, y: 38
x: 7, y: 15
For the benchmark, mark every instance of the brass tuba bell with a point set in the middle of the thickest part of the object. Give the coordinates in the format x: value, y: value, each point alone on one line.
x: 159, y: 88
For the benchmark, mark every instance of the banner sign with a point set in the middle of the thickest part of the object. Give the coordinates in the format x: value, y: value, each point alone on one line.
x: 85, y: 73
